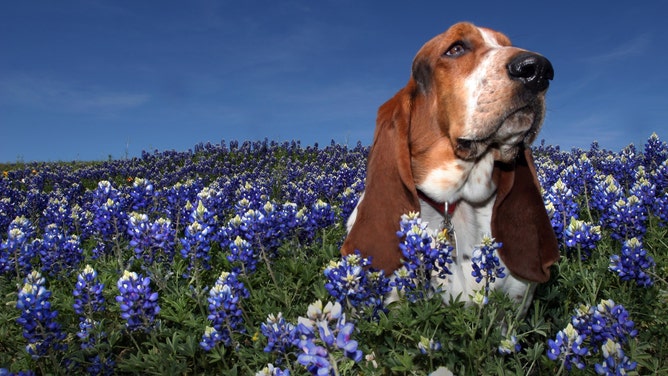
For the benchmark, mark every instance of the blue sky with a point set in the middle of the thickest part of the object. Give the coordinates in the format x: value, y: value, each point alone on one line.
x: 83, y: 80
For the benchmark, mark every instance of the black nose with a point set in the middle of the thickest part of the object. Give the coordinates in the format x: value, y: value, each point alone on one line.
x: 532, y: 70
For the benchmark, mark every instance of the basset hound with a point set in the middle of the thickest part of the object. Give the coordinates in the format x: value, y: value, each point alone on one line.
x: 459, y: 133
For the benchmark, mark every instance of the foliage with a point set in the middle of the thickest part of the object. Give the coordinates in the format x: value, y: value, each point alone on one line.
x: 224, y: 259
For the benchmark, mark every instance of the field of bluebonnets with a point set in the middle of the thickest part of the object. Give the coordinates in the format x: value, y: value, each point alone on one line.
x: 224, y: 260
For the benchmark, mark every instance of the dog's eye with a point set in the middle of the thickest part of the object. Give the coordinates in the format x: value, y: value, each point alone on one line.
x: 456, y: 49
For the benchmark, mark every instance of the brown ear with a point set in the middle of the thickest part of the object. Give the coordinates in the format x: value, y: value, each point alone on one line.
x: 520, y: 221
x: 390, y: 190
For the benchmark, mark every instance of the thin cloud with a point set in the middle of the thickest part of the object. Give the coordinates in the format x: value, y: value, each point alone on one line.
x: 62, y: 96
x: 633, y: 47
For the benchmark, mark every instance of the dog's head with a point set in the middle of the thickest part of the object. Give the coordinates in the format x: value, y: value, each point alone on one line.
x: 472, y: 99
x: 486, y: 93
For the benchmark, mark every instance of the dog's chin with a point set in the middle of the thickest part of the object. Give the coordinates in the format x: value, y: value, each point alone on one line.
x: 508, y: 136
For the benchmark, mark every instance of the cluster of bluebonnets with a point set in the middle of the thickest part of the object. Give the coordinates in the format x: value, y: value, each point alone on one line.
x: 228, y: 209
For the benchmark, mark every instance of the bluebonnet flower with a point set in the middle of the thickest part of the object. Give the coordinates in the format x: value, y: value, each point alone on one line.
x: 351, y: 281
x: 350, y: 197
x: 578, y: 176
x: 659, y: 175
x: 643, y: 189
x: 605, y: 193
x: 280, y: 334
x: 37, y: 318
x: 5, y: 372
x: 627, y: 218
x: 179, y: 197
x: 605, y: 321
x: 271, y: 370
x: 198, y: 238
x: 108, y: 208
x: 562, y: 198
x: 138, y: 303
x: 224, y: 311
x: 632, y: 263
x: 151, y: 241
x: 509, y: 345
x: 88, y: 297
x: 486, y: 264
x: 58, y: 252
x: 58, y: 211
x: 428, y: 346
x: 141, y: 195
x: 242, y: 251
x: 656, y: 152
x: 423, y: 256
x: 581, y: 237
x: 17, y: 251
x: 568, y: 347
x: 320, y: 216
x: 317, y: 351
x: 257, y: 233
x: 660, y: 208
x: 615, y: 362
x: 88, y: 300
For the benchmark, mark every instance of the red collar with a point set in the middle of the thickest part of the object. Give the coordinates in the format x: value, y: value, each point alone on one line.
x: 439, y: 206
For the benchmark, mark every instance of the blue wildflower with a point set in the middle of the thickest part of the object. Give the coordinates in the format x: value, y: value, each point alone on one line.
x: 568, y: 347
x: 108, y: 208
x: 423, y: 256
x: 198, y: 239
x: 317, y: 350
x: 151, y: 241
x: 271, y: 370
x: 632, y: 263
x: 88, y: 297
x: 486, y: 264
x: 581, y: 237
x: 138, y: 303
x: 615, y: 362
x: 224, y: 311
x: 17, y: 251
x: 37, y: 318
x: 627, y: 218
x: 428, y: 346
x: 141, y: 195
x: 351, y: 281
x: 509, y: 346
x: 280, y: 334
x: 58, y: 252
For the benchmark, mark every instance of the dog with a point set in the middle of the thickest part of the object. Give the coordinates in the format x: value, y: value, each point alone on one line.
x: 458, y: 135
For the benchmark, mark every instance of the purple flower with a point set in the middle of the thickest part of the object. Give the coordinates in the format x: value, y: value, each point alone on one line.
x: 17, y: 251
x: 271, y: 370
x: 581, y: 237
x: 87, y: 293
x: 627, y: 218
x: 224, y: 311
x: 318, y: 350
x: 152, y: 241
x: 568, y: 348
x: 58, y: 252
x: 198, y: 238
x: 632, y: 263
x: 139, y: 305
x: 486, y: 264
x: 423, y: 255
x: 352, y: 282
x: 37, y: 318
x: 615, y: 362
x: 280, y: 334
x: 108, y: 208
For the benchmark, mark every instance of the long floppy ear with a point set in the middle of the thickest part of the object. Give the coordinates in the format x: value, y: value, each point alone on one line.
x: 520, y: 221
x: 389, y: 191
